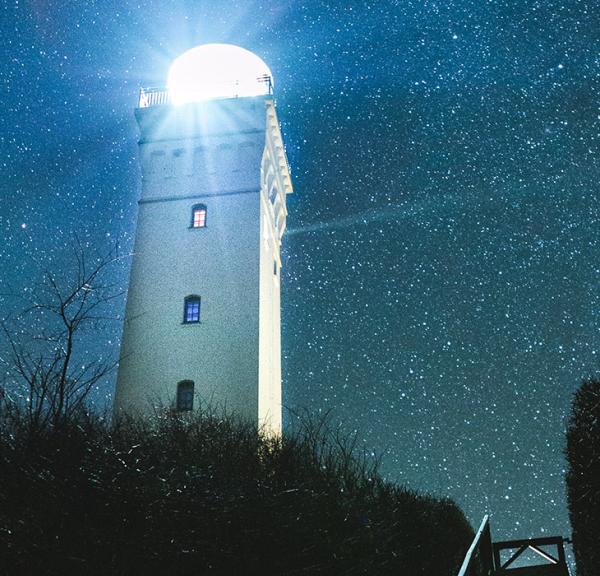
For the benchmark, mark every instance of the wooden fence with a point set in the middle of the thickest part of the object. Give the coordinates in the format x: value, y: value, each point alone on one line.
x: 485, y: 558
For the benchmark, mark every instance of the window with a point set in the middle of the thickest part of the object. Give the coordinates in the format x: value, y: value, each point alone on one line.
x: 191, y: 310
x: 199, y: 216
x: 185, y: 396
x: 275, y: 267
x: 272, y: 194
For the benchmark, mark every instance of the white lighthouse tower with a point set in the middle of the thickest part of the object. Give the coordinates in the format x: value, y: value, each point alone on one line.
x: 202, y: 322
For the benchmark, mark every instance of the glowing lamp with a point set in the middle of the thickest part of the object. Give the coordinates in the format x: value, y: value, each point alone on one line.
x: 217, y: 71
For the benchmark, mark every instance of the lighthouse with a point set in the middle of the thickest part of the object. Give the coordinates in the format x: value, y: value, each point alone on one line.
x: 202, y: 320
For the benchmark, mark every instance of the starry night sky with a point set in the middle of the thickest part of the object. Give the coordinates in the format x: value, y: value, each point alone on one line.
x: 441, y: 267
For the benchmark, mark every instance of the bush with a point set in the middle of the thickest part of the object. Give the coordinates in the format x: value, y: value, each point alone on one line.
x: 208, y: 495
x: 583, y: 476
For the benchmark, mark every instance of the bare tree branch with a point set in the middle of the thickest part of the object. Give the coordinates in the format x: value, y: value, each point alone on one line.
x: 45, y: 338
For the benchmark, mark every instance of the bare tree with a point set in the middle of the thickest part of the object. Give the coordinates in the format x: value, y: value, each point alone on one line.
x: 46, y: 375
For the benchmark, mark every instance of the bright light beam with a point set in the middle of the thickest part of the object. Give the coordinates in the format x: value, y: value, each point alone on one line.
x: 217, y: 71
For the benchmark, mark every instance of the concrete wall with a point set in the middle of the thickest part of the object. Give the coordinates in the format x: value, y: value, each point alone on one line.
x: 218, y: 263
x: 228, y: 155
x: 269, y: 402
x: 206, y: 153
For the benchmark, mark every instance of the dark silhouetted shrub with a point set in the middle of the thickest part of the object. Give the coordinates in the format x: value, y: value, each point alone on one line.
x: 583, y: 477
x: 208, y: 495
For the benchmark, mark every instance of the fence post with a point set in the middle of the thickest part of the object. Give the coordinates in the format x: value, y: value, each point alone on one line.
x: 482, y: 543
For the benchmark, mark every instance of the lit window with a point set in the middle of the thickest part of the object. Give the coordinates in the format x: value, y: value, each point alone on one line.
x: 185, y: 396
x: 199, y: 216
x: 191, y: 309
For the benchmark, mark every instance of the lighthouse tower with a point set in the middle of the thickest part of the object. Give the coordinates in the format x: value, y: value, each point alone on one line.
x: 202, y: 321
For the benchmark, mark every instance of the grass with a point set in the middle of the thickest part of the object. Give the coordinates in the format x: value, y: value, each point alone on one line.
x: 209, y: 495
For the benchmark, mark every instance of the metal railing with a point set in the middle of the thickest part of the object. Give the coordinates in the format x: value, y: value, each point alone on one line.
x: 153, y: 97
x: 160, y: 96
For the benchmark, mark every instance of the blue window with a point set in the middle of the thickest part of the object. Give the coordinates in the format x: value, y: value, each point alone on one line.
x: 185, y: 396
x: 191, y: 310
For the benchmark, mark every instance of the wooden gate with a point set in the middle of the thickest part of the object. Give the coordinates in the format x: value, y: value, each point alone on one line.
x: 484, y: 558
x: 552, y: 562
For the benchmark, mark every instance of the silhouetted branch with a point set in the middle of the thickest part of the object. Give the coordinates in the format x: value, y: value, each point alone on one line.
x: 44, y: 339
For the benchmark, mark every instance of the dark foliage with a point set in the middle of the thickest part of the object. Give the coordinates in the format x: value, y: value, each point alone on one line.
x: 208, y: 495
x: 583, y: 477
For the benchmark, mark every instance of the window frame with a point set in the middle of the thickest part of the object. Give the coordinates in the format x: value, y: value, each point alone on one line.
x: 199, y: 208
x: 184, y: 398
x: 190, y: 300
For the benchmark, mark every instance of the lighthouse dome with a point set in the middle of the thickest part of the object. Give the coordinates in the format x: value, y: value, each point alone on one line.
x: 217, y: 71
